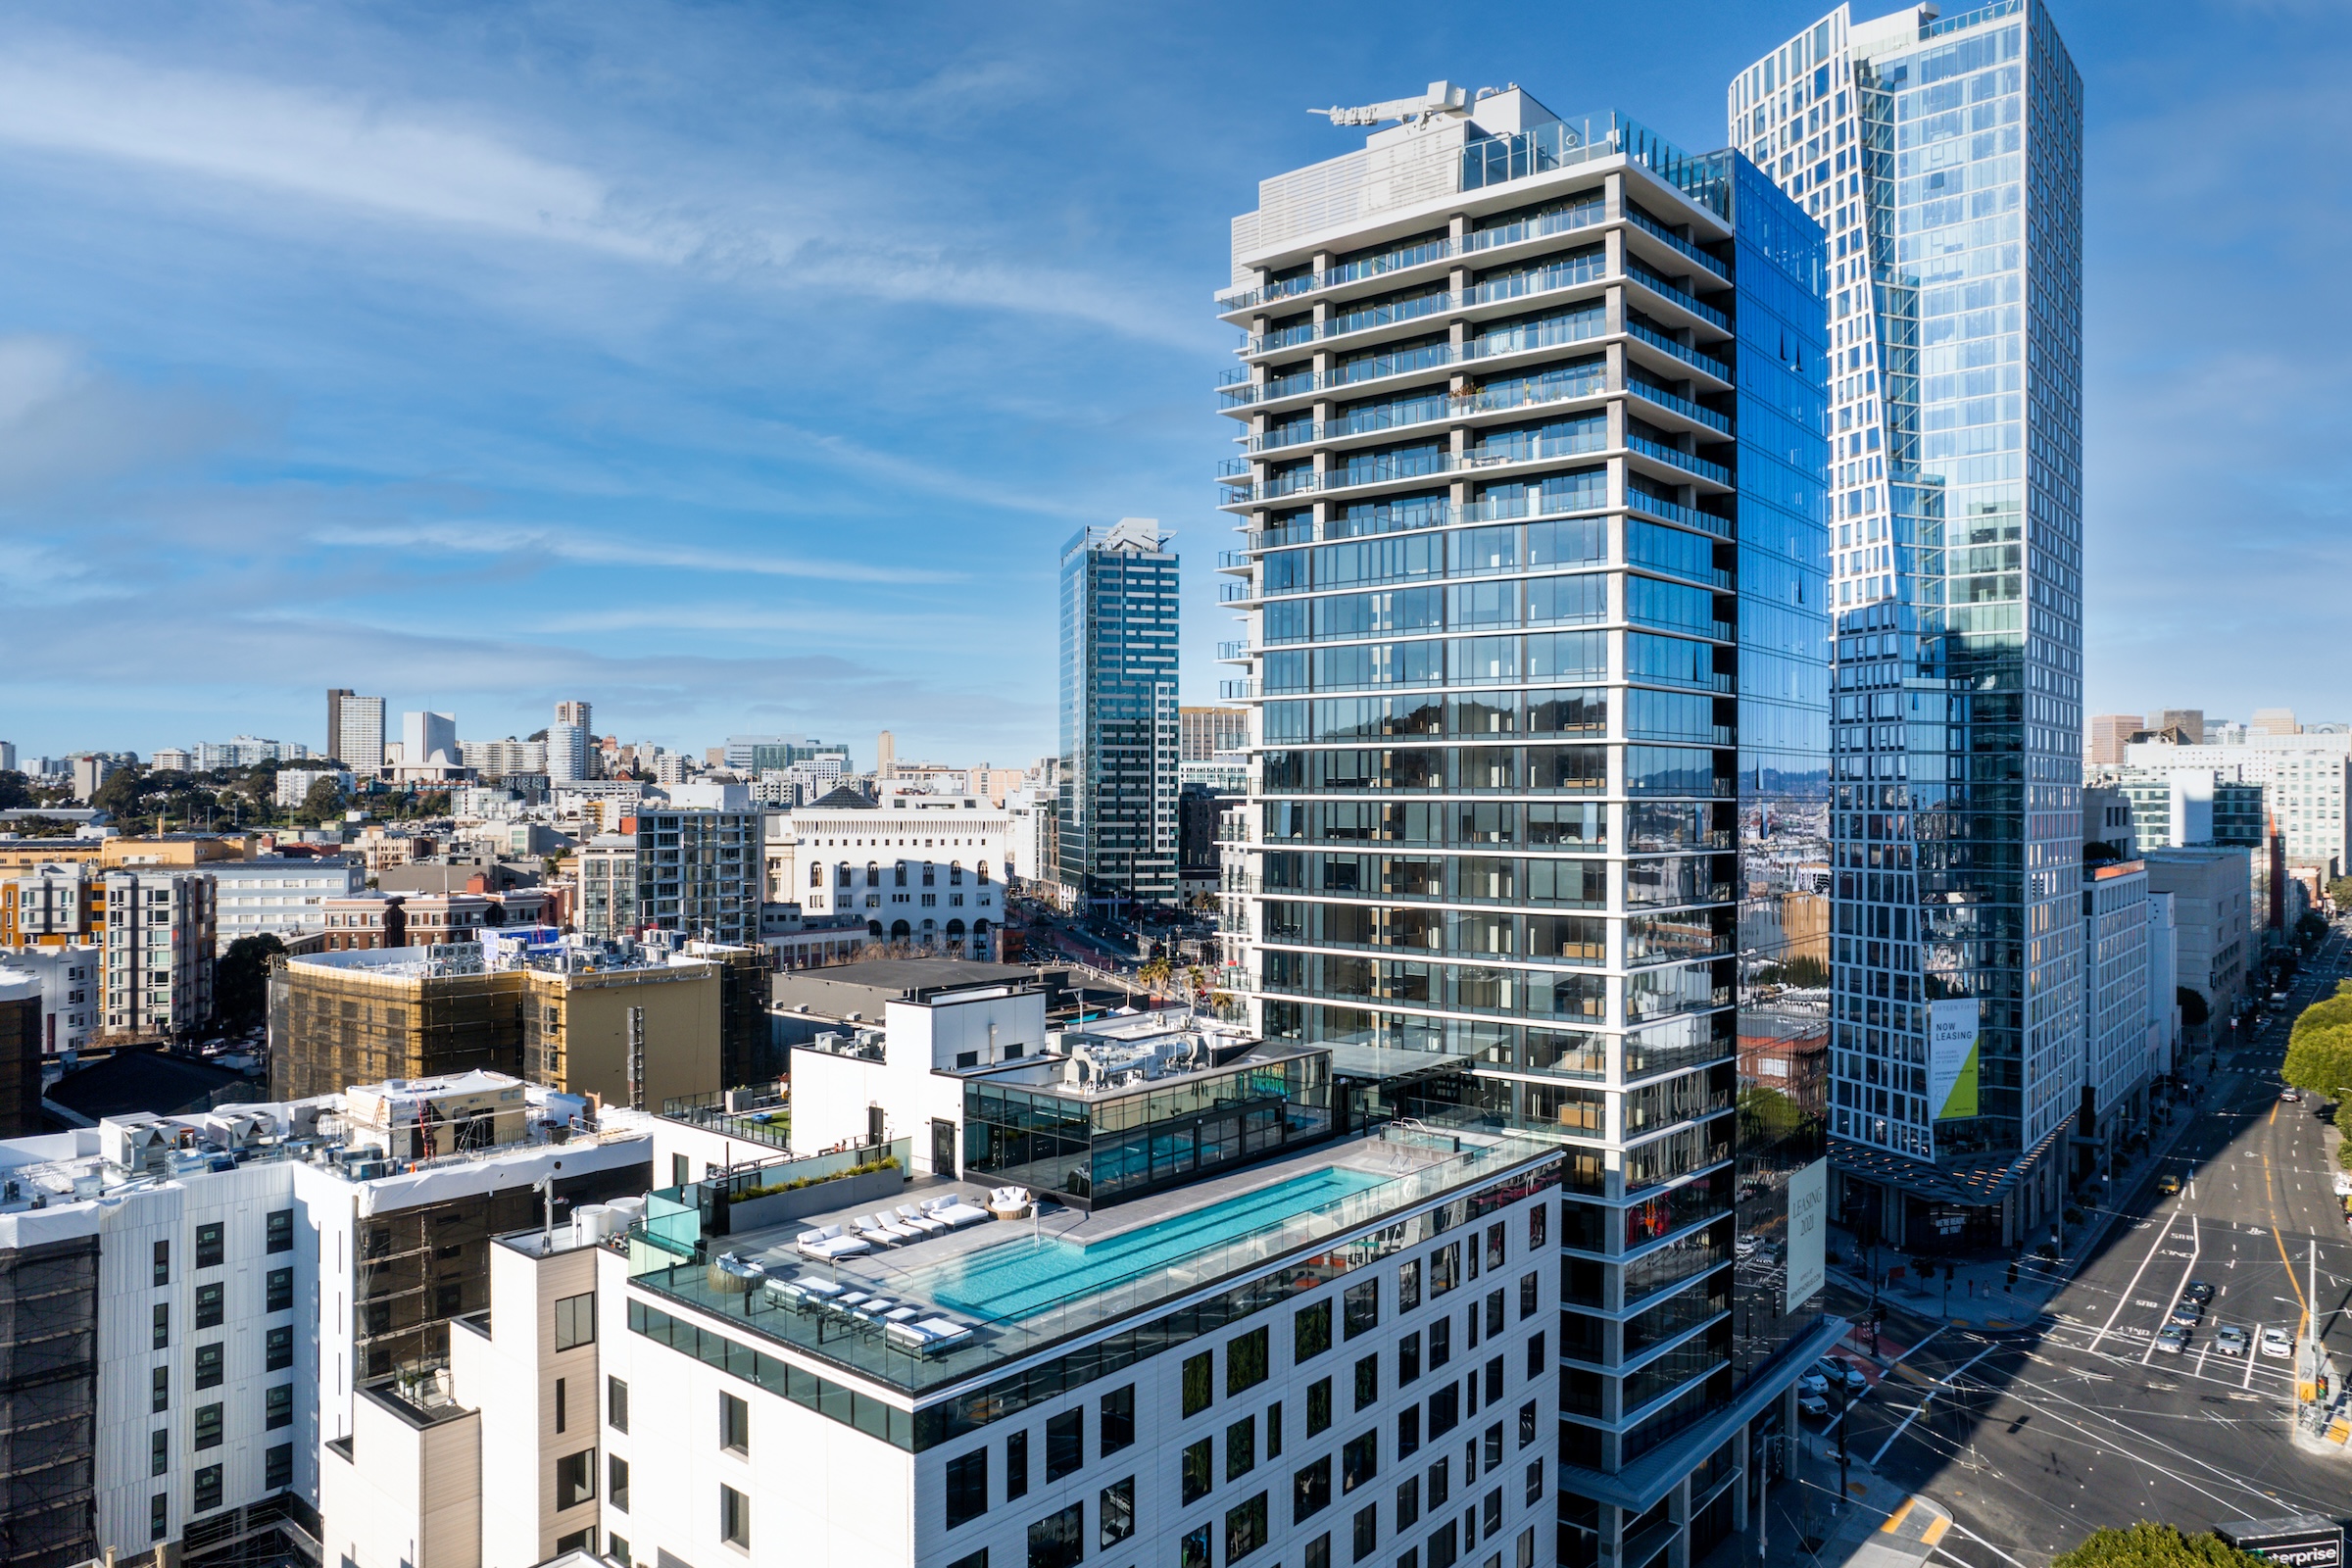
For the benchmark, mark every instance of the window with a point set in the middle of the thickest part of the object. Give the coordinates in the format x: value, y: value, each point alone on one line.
x: 277, y: 1406
x: 1359, y: 1462
x: 1444, y: 1410
x: 208, y: 1426
x: 205, y: 1492
x: 1017, y: 1465
x: 277, y: 1348
x: 277, y: 1465
x: 1495, y: 1245
x: 209, y: 1249
x: 1494, y: 1318
x: 1193, y: 1550
x: 1363, y: 1307
x: 209, y: 1306
x: 1058, y: 1540
x: 279, y: 1230
x: 1494, y: 1379
x: 1366, y: 1530
x: 1065, y: 1443
x: 1197, y: 1476
x: 1490, y: 1511
x: 967, y: 1486
x: 1408, y: 1503
x: 278, y: 1290
x: 734, y: 1518
x: 1245, y: 1361
x: 162, y: 1325
x: 1444, y: 1269
x: 208, y: 1366
x: 159, y: 1450
x: 1408, y: 1358
x: 1310, y: 1490
x: 1526, y: 1297
x: 1535, y: 1354
x: 1409, y: 1430
x: 1310, y: 1331
x: 1244, y: 1528
x: 1116, y: 1427
x: 1527, y: 1423
x: 617, y: 1483
x: 159, y: 1516
x: 1368, y: 1382
x: 1198, y: 1390
x: 1491, y: 1448
x: 1116, y: 1512
x: 1440, y: 1485
x: 1274, y: 1430
x: 576, y: 1321
x: 682, y: 1170
x: 1441, y: 1547
x: 1408, y: 1287
x: 1241, y: 1448
x: 1441, y: 1342
x: 972, y: 1559
x: 163, y: 1262
x: 1318, y: 1406
x: 1537, y: 1224
x: 734, y: 1424
x: 161, y: 1397
x: 617, y: 1405
x: 1534, y: 1480
x: 575, y: 1479
x: 559, y: 1404
x: 1318, y: 1553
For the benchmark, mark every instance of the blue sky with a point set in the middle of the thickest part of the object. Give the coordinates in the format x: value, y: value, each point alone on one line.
x: 743, y: 368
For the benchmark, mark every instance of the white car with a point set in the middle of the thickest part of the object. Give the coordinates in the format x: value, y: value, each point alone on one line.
x: 2279, y: 1342
x: 2343, y: 1183
x: 1812, y: 1404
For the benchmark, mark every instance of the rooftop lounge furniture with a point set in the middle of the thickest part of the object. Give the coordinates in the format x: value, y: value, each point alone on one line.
x: 1009, y: 1203
x: 955, y: 1212
x: 909, y: 1214
x: 830, y: 1241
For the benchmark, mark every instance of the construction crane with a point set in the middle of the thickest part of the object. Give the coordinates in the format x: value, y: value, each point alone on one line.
x: 1441, y: 98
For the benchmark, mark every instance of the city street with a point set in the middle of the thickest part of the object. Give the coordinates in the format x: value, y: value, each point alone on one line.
x: 2033, y: 1438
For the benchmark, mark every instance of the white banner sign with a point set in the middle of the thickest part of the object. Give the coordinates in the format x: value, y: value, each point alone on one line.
x: 1808, y: 1233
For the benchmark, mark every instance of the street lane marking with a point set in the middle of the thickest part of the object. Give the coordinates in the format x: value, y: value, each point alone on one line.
x: 2134, y: 1285
x: 1926, y: 1400
x: 2253, y: 1349
x: 1895, y: 1520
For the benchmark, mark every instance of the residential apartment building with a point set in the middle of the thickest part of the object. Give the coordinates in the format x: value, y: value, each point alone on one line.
x: 2119, y: 1046
x: 210, y: 1289
x: 1531, y: 419
x: 696, y: 871
x: 1203, y: 732
x: 928, y: 870
x: 499, y: 759
x: 71, y: 991
x: 171, y: 760
x: 2177, y: 807
x: 1943, y: 157
x: 1120, y: 733
x: 2215, y: 922
x: 158, y: 944
x: 281, y: 895
x: 52, y: 905
x: 22, y: 1013
x: 2308, y: 777
x: 293, y: 785
x: 354, y: 730
x: 750, y: 756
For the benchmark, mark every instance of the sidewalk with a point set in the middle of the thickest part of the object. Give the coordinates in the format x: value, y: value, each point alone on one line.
x: 1979, y: 1295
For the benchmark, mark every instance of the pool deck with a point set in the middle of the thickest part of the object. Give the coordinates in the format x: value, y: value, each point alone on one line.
x: 887, y: 1270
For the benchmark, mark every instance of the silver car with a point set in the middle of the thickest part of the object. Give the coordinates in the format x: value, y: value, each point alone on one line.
x: 2230, y: 1340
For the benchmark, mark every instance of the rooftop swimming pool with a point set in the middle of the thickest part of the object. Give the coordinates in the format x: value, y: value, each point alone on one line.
x: 1015, y: 1278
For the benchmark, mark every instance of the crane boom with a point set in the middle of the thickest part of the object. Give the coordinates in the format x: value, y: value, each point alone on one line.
x: 1441, y: 98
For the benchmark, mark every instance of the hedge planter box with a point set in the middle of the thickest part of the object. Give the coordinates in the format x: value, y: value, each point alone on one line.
x: 861, y: 1191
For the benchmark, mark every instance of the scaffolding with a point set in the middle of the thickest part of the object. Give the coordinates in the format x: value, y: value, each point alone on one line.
x: 48, y: 1403
x: 330, y: 1027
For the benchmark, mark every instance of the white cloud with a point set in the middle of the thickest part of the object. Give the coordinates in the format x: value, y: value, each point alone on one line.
x: 591, y: 550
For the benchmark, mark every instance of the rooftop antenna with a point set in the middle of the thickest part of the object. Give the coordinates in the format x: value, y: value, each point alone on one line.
x: 1441, y: 98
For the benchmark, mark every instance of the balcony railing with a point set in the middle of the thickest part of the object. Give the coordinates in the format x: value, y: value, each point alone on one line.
x: 1241, y: 691
x: 1679, y: 295
x: 1679, y: 404
x: 1681, y: 351
x: 1688, y: 462
x: 1714, y: 264
x: 1674, y: 512
x: 1363, y: 320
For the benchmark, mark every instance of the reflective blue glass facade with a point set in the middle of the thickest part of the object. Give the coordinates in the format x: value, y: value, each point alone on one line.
x: 1120, y: 738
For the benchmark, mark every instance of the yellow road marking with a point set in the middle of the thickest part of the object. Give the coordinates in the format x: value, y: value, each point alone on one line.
x: 2274, y: 1121
x: 1895, y: 1520
x: 1935, y: 1532
x: 2292, y: 1283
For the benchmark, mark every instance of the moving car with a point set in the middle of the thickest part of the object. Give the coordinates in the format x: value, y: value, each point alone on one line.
x: 1810, y: 1401
x: 2168, y: 1184
x: 2230, y: 1340
x: 1837, y: 1368
x: 2198, y: 1292
x: 1813, y: 1383
x: 2187, y: 1312
x: 2171, y: 1338
x: 2293, y: 1096
x: 2278, y: 1341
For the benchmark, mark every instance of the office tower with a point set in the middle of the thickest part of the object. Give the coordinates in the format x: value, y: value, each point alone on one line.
x: 334, y: 717
x: 8, y: 757
x: 1119, y: 733
x: 1532, y: 561
x: 2307, y: 776
x: 886, y: 754
x: 428, y: 738
x: 754, y: 755
x: 2190, y: 721
x: 1206, y: 731
x: 575, y: 713
x: 2110, y: 733
x: 1944, y: 158
x: 2274, y: 722
x: 357, y: 741
x: 566, y: 753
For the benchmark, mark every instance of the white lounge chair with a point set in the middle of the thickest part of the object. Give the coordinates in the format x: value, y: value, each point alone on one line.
x: 931, y: 1334
x: 955, y: 1214
x: 830, y: 1241
x: 873, y: 1231
x: 909, y: 1214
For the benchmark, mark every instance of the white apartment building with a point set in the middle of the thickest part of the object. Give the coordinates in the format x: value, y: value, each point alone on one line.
x: 245, y: 751
x: 927, y: 870
x: 2308, y: 778
x: 282, y: 895
x: 171, y: 760
x: 693, y: 870
x: 428, y: 738
x: 218, y: 1286
x: 498, y: 759
x: 161, y: 926
x: 69, y: 986
x: 2118, y: 1020
x: 358, y: 737
x: 294, y: 784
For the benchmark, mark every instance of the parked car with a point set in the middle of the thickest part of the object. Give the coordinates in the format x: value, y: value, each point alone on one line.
x: 2171, y: 1338
x: 1812, y: 1383
x: 1840, y: 1369
x: 2343, y: 1183
x: 2277, y: 1342
x: 1810, y: 1401
x: 2230, y: 1340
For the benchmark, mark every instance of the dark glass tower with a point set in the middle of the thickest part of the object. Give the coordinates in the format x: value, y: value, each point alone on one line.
x: 1120, y: 733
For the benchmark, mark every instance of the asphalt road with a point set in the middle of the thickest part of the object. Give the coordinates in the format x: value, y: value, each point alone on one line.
x: 2034, y: 1438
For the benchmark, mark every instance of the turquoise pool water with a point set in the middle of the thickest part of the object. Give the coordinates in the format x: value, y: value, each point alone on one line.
x: 1018, y: 1277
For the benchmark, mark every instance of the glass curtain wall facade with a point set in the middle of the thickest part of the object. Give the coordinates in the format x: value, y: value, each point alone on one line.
x: 1943, y: 158
x: 1532, y: 563
x: 1120, y: 733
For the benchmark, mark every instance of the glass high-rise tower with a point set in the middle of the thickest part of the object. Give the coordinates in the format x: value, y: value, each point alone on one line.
x: 1532, y: 561
x: 1943, y: 157
x: 1120, y: 732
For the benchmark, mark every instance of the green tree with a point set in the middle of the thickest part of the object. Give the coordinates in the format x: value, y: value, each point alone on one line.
x: 2330, y: 1013
x: 321, y: 803
x: 2339, y: 892
x: 241, y: 981
x: 2312, y: 927
x: 16, y: 790
x: 2154, y: 1545
x: 2319, y: 1060
x: 120, y: 794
